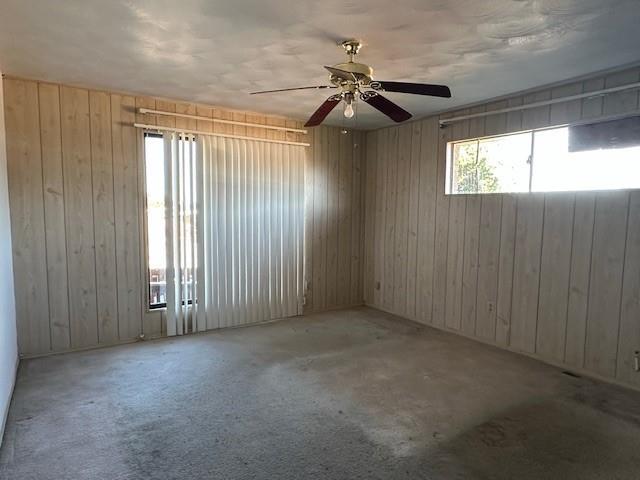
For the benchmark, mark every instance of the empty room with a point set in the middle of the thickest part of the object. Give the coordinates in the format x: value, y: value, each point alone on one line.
x: 319, y: 240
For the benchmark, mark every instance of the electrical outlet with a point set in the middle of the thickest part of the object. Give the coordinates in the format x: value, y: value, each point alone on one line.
x: 491, y: 306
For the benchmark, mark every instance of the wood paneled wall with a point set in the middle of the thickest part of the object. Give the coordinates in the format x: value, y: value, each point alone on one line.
x: 555, y: 276
x: 77, y: 211
x: 334, y: 220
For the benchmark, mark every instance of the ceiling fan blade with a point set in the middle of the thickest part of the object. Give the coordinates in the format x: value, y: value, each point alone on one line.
x: 343, y: 74
x: 390, y: 109
x: 414, y: 88
x: 317, y: 87
x: 325, y: 109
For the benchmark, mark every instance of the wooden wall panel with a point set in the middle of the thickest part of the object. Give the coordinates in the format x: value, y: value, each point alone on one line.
x: 488, y: 256
x: 526, y: 272
x: 470, y: 264
x: 78, y: 211
x: 455, y: 262
x: 104, y: 215
x: 401, y: 230
x: 345, y: 188
x: 629, y: 337
x: 607, y: 265
x: 506, y: 261
x: 24, y: 167
x: 391, y: 197
x: 582, y: 238
x: 553, y: 275
x: 380, y: 196
x: 357, y: 218
x: 53, y: 191
x: 369, y: 164
x: 412, y: 219
x: 126, y: 201
x: 441, y: 248
x: 78, y: 195
x: 333, y: 178
x: 555, y: 269
x: 426, y: 220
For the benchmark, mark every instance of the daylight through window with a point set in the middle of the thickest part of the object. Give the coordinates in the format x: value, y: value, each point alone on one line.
x: 546, y: 160
x: 156, y: 244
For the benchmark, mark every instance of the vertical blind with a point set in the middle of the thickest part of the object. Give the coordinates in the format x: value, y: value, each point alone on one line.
x: 234, y: 231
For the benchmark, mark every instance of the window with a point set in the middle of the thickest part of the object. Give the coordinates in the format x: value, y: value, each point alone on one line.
x: 156, y: 245
x: 154, y: 169
x: 601, y: 156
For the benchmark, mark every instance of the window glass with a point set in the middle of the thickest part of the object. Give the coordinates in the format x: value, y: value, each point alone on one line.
x: 491, y: 165
x: 154, y: 168
x: 503, y: 164
x: 557, y: 169
x: 544, y: 161
x: 464, y: 178
x: 156, y: 245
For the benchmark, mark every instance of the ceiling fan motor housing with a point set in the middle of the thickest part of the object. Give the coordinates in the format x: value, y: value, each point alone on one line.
x: 362, y: 72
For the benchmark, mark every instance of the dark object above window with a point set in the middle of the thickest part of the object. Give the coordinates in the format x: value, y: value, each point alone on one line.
x: 623, y: 133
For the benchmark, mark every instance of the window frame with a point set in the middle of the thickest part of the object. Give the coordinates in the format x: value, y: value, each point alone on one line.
x: 449, y: 160
x: 450, y: 146
x: 150, y: 307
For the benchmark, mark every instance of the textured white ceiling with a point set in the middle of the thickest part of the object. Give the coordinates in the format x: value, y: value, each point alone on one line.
x: 215, y: 51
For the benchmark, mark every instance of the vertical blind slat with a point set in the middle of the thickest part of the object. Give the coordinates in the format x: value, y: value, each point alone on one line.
x: 234, y: 231
x: 169, y: 233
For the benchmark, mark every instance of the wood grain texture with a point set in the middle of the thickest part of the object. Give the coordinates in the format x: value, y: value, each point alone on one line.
x: 344, y: 195
x: 582, y: 238
x: 400, y: 253
x: 78, y: 211
x: 441, y: 236
x: 488, y: 262
x: 357, y: 219
x: 380, y: 195
x: 126, y: 204
x: 412, y: 227
x: 391, y: 163
x: 369, y: 241
x: 333, y: 178
x: 607, y: 266
x: 337, y: 169
x: 506, y: 261
x: 104, y: 216
x: 526, y: 272
x: 53, y: 192
x: 554, y: 275
x: 629, y: 337
x: 76, y: 148
x: 24, y: 169
x: 426, y: 220
x: 470, y: 264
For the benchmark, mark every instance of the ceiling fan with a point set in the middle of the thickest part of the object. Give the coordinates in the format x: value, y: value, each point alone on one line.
x: 356, y: 80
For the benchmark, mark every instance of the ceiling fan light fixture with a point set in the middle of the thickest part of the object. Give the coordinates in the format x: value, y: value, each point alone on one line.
x: 348, y: 110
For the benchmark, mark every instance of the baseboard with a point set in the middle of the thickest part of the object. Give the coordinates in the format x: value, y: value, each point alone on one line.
x: 580, y: 371
x: 5, y: 414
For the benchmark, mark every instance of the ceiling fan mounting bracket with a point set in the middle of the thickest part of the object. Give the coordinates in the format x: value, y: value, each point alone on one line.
x: 352, y: 47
